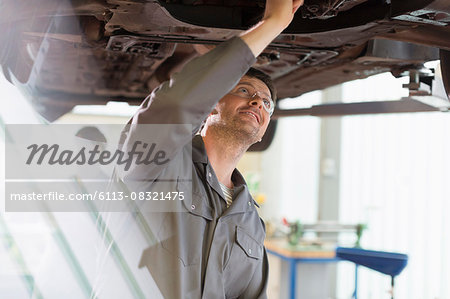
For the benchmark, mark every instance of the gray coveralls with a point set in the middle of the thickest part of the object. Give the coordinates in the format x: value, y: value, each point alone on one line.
x: 206, y: 250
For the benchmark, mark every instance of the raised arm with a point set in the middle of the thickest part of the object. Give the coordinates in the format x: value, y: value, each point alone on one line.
x: 277, y: 16
x: 191, y: 94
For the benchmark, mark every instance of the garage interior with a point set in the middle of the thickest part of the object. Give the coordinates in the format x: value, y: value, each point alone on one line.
x: 386, y: 172
x: 351, y: 177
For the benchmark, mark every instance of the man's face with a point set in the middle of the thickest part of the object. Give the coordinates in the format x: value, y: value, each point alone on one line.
x: 242, y: 110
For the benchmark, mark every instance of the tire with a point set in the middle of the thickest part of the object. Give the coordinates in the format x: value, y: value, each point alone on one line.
x: 445, y: 69
x: 266, y: 140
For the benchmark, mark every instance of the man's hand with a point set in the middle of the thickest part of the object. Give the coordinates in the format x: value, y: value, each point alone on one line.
x: 277, y: 16
x: 282, y: 10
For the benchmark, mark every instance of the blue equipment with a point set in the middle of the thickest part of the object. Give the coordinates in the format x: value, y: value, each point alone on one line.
x: 388, y: 263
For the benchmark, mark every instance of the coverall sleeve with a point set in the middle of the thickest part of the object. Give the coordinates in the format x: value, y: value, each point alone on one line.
x: 190, y: 95
x: 186, y: 99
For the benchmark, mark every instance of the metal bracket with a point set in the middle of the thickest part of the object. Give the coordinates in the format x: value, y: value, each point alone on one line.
x: 416, y: 78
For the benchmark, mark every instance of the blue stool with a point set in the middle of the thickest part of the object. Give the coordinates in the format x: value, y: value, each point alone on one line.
x: 388, y: 263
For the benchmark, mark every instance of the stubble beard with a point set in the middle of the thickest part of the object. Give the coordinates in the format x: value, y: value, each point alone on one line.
x: 236, y: 132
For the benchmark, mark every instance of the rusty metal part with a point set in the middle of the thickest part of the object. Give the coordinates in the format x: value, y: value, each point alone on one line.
x: 78, y: 49
x: 291, y: 62
x: 397, y: 50
x: 425, y: 17
x: 320, y: 9
x: 422, y: 35
x: 93, y: 28
x: 375, y: 57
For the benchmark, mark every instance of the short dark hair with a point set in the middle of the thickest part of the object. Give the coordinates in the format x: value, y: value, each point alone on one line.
x: 255, y: 73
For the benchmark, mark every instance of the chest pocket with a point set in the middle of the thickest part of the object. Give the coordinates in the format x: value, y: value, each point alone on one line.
x: 252, y: 248
x: 246, y: 254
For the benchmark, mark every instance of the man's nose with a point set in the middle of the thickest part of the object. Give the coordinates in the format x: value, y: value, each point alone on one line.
x: 257, y: 101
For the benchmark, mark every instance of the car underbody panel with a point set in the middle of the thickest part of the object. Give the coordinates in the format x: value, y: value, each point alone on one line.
x: 66, y: 53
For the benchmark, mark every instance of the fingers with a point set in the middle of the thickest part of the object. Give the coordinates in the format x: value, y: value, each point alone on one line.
x: 296, y: 5
x: 282, y: 11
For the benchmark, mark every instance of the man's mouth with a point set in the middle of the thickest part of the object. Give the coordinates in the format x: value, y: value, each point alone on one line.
x: 253, y: 114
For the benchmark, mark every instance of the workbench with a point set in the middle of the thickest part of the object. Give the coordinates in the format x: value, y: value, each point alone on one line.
x: 299, y: 254
x: 388, y: 263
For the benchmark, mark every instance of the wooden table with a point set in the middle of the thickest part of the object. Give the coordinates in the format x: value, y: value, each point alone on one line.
x: 299, y: 254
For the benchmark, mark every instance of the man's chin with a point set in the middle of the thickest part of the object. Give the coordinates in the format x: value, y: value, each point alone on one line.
x: 245, y: 132
x: 249, y: 136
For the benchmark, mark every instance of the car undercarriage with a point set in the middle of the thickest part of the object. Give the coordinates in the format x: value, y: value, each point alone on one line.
x: 67, y: 53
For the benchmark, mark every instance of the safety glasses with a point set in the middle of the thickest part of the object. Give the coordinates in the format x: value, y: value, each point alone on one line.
x: 248, y: 92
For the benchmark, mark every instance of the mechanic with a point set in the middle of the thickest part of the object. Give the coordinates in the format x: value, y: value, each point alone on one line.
x: 214, y: 247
